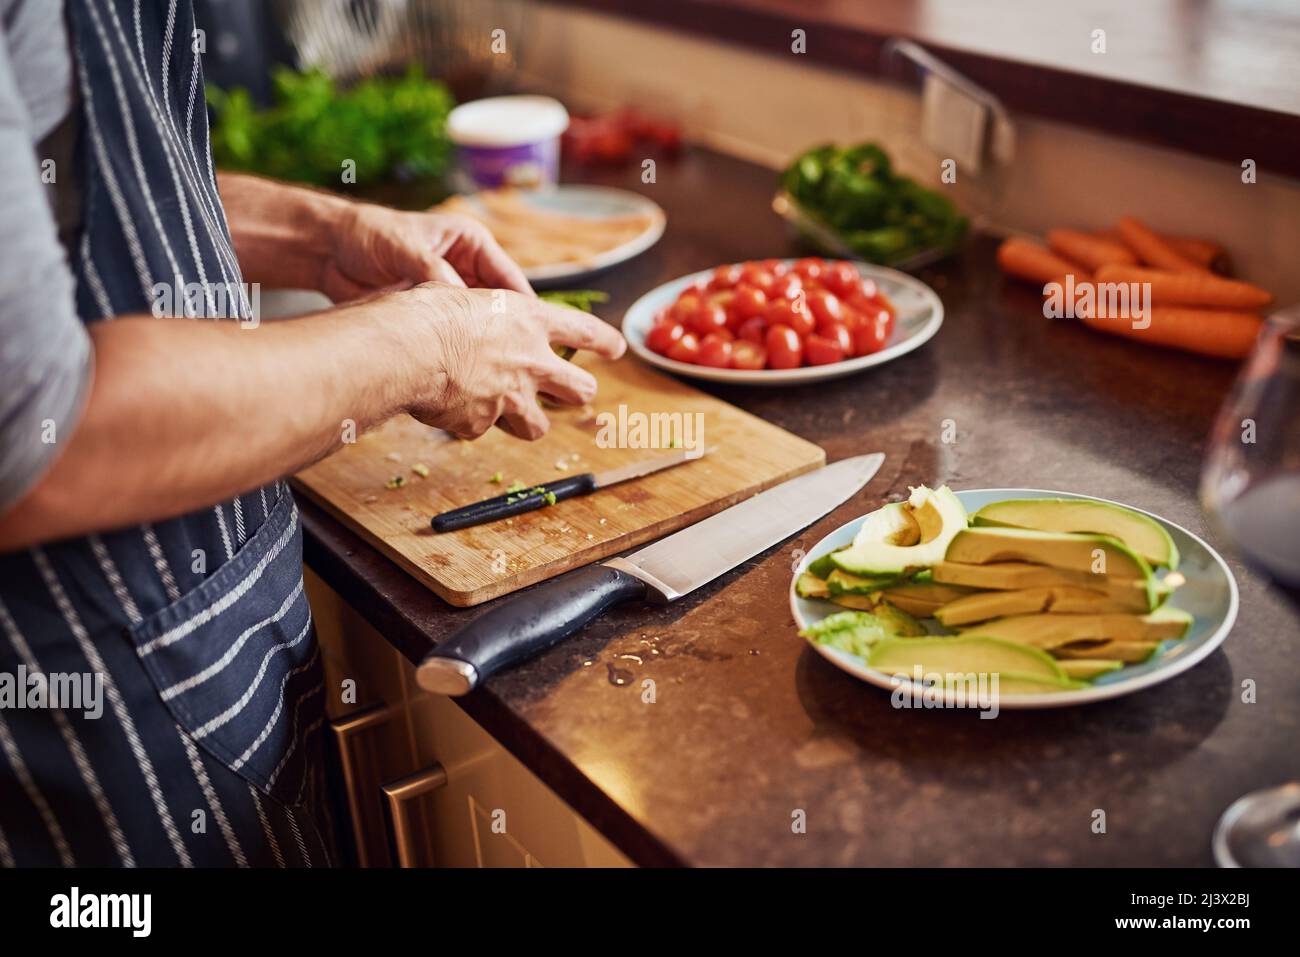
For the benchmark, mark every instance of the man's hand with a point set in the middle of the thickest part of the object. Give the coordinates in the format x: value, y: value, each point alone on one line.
x: 373, y: 248
x: 288, y: 237
x: 494, y: 357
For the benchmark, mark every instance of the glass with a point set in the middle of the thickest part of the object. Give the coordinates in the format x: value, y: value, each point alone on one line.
x: 1250, y: 488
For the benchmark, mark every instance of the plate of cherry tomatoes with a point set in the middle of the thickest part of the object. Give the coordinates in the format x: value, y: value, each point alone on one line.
x: 782, y: 321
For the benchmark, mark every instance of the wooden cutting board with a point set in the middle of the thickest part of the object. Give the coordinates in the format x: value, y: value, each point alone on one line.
x: 476, y: 564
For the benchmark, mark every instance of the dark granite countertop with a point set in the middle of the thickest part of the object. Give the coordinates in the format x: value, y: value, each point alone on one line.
x: 749, y: 726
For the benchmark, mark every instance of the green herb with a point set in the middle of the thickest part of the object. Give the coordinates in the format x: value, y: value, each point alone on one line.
x: 397, y: 481
x: 545, y: 493
x: 882, y: 216
x: 496, y: 478
x: 517, y: 486
x: 386, y: 126
x: 575, y: 298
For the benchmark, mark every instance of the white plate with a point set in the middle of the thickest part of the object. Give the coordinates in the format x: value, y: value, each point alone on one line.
x: 592, y: 202
x: 1209, y: 596
x: 920, y: 314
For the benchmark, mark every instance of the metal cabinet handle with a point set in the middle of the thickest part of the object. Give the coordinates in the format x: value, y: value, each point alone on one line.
x: 371, y: 848
x: 400, y: 793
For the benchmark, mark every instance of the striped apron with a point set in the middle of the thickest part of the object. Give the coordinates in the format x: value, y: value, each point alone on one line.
x: 206, y: 750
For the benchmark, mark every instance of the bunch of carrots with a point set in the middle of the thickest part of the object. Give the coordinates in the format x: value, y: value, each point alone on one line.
x: 1192, y: 306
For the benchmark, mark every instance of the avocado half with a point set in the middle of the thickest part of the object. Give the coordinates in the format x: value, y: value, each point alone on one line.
x: 1139, y: 532
x: 904, y: 536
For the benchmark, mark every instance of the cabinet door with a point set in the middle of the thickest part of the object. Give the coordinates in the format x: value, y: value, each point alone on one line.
x: 425, y: 784
x: 492, y: 811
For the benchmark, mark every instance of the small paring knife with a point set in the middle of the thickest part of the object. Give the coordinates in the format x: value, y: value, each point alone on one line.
x: 539, y: 496
x: 518, y: 628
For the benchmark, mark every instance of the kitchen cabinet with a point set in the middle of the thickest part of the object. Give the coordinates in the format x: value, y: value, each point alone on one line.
x: 424, y: 784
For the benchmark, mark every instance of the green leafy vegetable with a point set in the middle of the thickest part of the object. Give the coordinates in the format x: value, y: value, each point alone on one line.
x: 882, y: 216
x: 387, y: 126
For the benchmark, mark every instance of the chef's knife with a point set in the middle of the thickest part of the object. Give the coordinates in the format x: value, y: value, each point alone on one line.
x: 661, y: 572
x: 537, y: 496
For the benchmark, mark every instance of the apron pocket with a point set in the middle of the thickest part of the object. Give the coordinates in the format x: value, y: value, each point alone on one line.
x: 236, y: 661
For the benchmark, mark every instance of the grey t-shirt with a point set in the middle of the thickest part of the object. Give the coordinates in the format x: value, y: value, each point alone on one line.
x: 45, y: 353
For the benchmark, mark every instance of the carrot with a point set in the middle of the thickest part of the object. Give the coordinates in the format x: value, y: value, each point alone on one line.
x: 1088, y: 250
x: 1029, y: 260
x: 1203, y: 252
x: 1210, y: 332
x: 1189, y: 289
x: 1152, y: 249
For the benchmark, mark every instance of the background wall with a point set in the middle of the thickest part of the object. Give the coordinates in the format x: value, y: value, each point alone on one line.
x: 769, y: 108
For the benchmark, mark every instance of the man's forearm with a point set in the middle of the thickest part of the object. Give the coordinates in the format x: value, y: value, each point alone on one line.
x: 281, y: 232
x: 183, y: 414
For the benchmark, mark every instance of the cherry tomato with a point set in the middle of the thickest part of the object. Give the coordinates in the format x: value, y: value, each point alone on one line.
x: 776, y: 267
x: 867, y: 288
x: 755, y: 275
x: 872, y: 332
x: 662, y: 336
x: 784, y: 349
x: 715, y: 351
x: 789, y: 286
x: 685, y: 306
x: 708, y: 317
x: 793, y: 314
x: 685, y: 349
x: 842, y: 279
x: 810, y: 269
x: 724, y: 277
x: 753, y: 330
x: 748, y: 355
x: 839, y: 334
x: 750, y: 302
x: 825, y: 306
x: 821, y: 351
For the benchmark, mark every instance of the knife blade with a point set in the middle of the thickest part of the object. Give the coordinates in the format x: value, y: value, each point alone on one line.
x: 538, y: 496
x: 664, y: 571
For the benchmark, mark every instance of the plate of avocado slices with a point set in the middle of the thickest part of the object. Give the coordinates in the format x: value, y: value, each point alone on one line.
x: 1045, y: 599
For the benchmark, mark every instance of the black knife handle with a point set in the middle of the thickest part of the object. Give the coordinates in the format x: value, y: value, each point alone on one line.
x: 513, y: 503
x: 513, y: 630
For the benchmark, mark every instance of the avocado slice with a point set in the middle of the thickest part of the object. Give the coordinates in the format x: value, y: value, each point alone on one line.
x: 1086, y: 669
x: 938, y: 516
x: 1127, y: 652
x: 808, y: 585
x: 923, y: 598
x: 1135, y: 594
x: 851, y: 631
x: 822, y: 565
x: 1050, y: 631
x: 899, y: 621
x: 1010, y: 682
x: 978, y: 654
x: 842, y: 583
x: 1069, y: 550
x: 1141, y: 533
x: 860, y: 602
x: 1014, y: 576
x: 1061, y: 599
